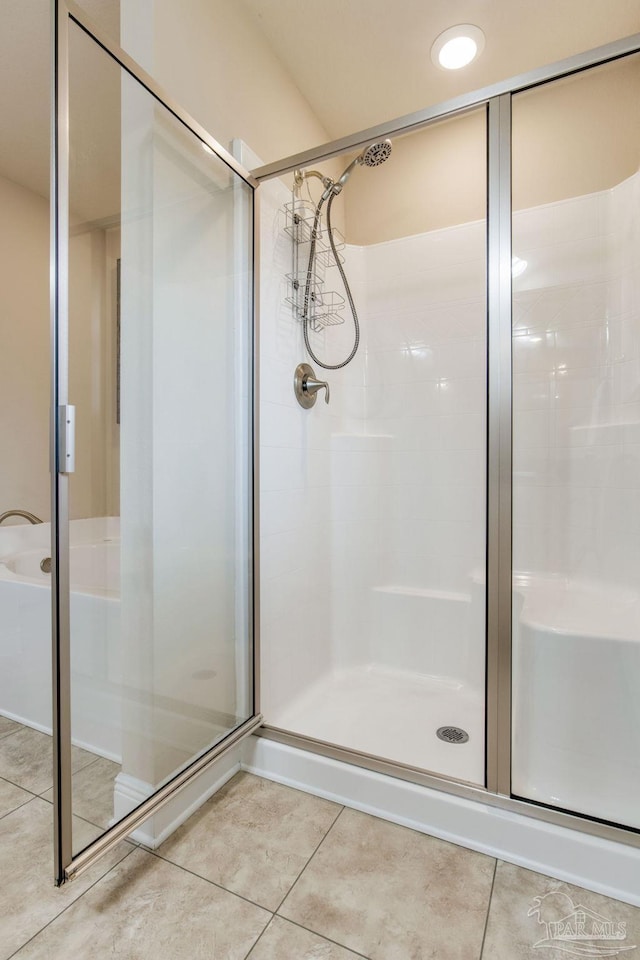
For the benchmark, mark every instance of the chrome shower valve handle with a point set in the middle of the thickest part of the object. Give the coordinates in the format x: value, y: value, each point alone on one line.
x: 306, y: 386
x: 311, y: 386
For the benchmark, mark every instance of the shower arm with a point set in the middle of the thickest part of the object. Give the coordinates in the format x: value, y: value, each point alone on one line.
x: 299, y: 176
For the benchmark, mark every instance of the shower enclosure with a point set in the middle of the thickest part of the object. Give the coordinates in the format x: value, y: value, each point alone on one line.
x: 450, y: 547
x: 446, y: 553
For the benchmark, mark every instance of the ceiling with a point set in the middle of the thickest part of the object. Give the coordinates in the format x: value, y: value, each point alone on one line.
x: 357, y: 63
x: 362, y: 62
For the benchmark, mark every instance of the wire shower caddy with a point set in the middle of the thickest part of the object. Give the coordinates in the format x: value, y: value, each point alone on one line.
x: 325, y: 306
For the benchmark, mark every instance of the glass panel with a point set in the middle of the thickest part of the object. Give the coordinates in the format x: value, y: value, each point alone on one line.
x: 379, y: 639
x: 576, y: 432
x: 159, y: 351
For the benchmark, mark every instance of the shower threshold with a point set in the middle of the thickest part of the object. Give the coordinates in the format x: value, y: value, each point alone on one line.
x: 395, y: 715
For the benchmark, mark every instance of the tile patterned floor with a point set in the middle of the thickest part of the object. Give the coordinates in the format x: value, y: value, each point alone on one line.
x: 25, y: 771
x: 264, y: 872
x: 25, y: 759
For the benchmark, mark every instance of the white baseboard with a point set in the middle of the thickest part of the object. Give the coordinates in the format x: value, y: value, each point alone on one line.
x: 40, y: 727
x: 44, y: 728
x: 603, y: 866
x: 129, y: 793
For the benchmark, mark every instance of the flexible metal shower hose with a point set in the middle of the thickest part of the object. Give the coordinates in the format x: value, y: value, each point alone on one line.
x: 307, y: 289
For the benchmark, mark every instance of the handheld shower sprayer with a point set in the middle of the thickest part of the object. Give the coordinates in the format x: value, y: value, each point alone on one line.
x: 372, y: 156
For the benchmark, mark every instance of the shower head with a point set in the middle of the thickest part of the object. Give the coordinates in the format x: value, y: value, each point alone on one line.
x: 372, y: 156
x: 375, y: 153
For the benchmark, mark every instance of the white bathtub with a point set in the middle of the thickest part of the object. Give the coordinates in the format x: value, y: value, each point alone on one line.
x: 94, y: 559
x: 576, y: 697
x: 25, y: 630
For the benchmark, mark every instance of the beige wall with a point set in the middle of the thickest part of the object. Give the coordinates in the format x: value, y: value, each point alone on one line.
x: 433, y: 179
x: 25, y: 361
x: 218, y: 65
x: 589, y: 124
x: 94, y: 487
x: 24, y: 357
x: 214, y: 62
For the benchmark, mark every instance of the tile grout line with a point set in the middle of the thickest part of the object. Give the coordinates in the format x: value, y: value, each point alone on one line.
x: 333, y: 823
x: 74, y: 774
x: 192, y: 873
x: 77, y: 816
x: 21, y: 726
x: 19, y: 807
x: 20, y: 787
x: 322, y: 936
x: 26, y: 789
x: 486, y: 919
x: 69, y: 905
x: 300, y: 926
x: 4, y: 736
x: 41, y: 796
x: 266, y: 927
x: 219, y: 886
x: 85, y: 766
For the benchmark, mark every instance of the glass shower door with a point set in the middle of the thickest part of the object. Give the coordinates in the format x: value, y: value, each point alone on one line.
x: 157, y: 364
x: 576, y: 443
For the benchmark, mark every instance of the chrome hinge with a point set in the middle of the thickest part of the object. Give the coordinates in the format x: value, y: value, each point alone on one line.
x: 66, y: 438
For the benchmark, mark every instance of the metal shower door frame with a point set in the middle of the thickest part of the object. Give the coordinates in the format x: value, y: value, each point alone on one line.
x: 66, y: 865
x: 496, y: 99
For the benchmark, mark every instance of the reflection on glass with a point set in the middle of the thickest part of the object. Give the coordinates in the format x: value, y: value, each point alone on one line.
x: 576, y: 433
x: 159, y: 523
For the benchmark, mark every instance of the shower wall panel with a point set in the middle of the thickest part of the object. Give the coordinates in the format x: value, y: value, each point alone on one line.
x: 384, y: 488
x: 410, y: 487
x: 576, y: 350
x: 297, y: 451
x: 576, y: 399
x: 373, y: 518
x: 426, y: 387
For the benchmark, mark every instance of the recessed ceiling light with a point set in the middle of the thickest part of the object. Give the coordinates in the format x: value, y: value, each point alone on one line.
x: 457, y: 46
